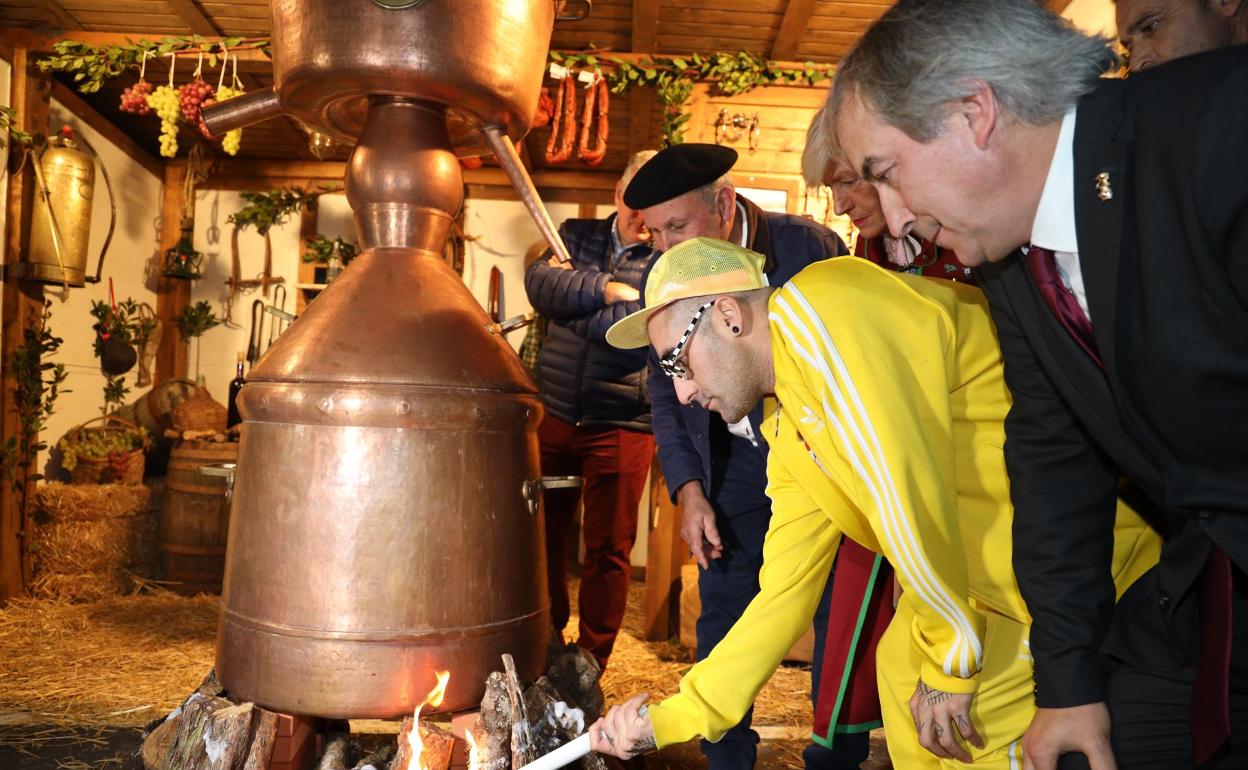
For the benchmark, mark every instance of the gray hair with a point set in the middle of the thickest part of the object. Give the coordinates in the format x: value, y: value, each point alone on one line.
x: 923, y: 54
x: 635, y: 163
x: 711, y: 190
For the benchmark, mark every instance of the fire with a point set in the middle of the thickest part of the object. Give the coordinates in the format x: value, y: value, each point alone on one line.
x: 474, y: 751
x: 417, y: 744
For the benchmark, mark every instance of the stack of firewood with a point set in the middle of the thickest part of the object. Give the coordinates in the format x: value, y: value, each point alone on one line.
x: 516, y: 724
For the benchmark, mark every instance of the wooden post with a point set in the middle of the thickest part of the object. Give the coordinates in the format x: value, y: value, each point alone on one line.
x: 22, y: 301
x: 666, y: 553
x: 172, y: 294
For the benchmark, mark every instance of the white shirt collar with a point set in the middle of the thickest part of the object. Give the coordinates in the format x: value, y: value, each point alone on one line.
x: 1054, y: 226
x: 745, y: 225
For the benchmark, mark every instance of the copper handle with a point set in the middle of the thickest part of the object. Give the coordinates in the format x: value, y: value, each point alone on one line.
x: 511, y: 324
x: 225, y: 470
x: 531, y: 489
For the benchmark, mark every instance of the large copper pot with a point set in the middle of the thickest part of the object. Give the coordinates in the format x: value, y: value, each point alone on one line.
x: 382, y: 524
x: 482, y: 58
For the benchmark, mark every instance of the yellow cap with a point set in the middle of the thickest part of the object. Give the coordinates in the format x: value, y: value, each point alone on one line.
x: 698, y: 267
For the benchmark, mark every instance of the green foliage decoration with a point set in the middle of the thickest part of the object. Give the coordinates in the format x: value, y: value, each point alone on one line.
x: 37, y: 384
x: 266, y: 209
x: 124, y: 322
x: 672, y: 78
x: 7, y: 117
x: 196, y: 319
x: 91, y: 65
x: 321, y: 249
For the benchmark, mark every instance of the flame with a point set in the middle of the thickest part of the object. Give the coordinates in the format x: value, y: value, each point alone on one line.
x: 417, y: 744
x: 474, y: 751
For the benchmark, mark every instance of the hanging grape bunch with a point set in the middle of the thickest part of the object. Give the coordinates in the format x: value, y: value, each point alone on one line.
x: 192, y: 96
x: 164, y: 101
x: 134, y: 98
x: 233, y: 138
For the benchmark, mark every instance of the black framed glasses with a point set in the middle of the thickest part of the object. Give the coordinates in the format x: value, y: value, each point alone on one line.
x: 670, y: 363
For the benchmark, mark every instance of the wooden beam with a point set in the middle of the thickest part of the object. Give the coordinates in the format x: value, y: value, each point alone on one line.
x: 62, y: 17
x: 70, y: 99
x: 252, y: 174
x: 172, y: 294
x: 22, y: 301
x: 645, y: 26
x: 792, y: 27
x: 187, y: 11
x: 557, y: 179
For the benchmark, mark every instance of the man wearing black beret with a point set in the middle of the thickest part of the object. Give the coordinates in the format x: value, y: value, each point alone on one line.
x: 717, y: 472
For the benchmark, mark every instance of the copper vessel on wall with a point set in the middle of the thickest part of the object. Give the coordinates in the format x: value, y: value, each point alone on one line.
x: 383, y: 521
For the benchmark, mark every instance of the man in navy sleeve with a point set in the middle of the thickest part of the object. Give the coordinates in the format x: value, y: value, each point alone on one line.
x: 597, y: 422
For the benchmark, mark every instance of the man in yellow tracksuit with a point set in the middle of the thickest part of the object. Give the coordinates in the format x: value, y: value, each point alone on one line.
x: 885, y: 420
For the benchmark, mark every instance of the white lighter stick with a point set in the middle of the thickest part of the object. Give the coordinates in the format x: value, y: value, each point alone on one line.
x: 567, y: 753
x: 564, y: 755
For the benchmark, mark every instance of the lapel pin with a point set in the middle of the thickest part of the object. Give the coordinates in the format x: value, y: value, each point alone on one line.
x: 1103, y: 191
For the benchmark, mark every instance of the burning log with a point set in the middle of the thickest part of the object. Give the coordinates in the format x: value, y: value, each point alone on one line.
x: 430, y: 746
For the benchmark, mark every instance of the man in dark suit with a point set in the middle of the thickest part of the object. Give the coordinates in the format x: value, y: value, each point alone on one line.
x: 1122, y: 329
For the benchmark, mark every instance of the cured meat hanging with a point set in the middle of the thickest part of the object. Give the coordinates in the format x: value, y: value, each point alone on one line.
x: 595, y: 96
x: 563, y: 128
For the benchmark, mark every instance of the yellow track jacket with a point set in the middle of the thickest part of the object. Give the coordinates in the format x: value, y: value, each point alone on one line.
x: 887, y: 427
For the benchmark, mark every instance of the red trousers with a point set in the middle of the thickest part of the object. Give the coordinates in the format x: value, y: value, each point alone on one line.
x: 614, y: 462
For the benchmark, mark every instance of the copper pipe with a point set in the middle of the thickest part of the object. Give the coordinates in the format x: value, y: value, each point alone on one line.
x: 509, y: 159
x: 242, y: 111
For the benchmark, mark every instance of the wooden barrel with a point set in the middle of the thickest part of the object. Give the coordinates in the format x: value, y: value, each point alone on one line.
x: 194, y: 517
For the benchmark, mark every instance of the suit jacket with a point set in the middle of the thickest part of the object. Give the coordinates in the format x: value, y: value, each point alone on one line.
x: 683, y: 431
x: 1165, y: 266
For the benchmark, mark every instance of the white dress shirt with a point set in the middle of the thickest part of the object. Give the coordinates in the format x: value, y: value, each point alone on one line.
x: 1054, y: 226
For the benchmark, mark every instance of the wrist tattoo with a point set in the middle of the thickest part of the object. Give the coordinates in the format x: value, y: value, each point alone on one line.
x: 931, y: 695
x: 644, y: 744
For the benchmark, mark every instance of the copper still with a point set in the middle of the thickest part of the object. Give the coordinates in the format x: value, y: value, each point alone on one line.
x: 383, y: 522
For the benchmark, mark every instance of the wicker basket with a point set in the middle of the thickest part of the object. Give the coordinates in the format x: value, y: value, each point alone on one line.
x: 101, y: 471
x: 199, y: 412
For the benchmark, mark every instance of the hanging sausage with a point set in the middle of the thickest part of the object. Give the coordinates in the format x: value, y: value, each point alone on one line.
x: 563, y: 129
x: 596, y: 100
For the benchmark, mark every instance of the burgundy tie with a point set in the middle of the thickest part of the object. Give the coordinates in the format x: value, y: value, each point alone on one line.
x: 1211, y: 714
x: 1043, y: 268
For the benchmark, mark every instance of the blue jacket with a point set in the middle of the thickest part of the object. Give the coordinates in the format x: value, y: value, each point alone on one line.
x: 583, y: 380
x: 682, y: 431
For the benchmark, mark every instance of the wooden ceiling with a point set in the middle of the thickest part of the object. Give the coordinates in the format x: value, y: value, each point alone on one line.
x: 785, y: 30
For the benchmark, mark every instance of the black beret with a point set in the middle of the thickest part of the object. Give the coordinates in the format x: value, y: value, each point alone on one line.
x: 675, y: 171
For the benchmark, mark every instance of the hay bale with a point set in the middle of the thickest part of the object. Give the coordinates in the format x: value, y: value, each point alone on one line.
x: 89, y: 539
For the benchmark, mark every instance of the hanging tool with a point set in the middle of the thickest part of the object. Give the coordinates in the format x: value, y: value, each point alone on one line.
x: 279, y: 303
x: 257, y: 332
